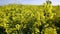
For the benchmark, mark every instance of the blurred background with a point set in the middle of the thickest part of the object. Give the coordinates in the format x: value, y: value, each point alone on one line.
x: 28, y: 2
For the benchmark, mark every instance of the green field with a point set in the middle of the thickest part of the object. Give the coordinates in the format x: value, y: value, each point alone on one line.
x: 29, y: 19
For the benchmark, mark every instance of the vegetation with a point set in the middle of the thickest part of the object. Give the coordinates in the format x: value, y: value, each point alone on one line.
x: 27, y: 19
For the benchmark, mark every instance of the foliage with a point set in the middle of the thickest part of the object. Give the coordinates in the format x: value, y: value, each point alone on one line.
x: 22, y: 19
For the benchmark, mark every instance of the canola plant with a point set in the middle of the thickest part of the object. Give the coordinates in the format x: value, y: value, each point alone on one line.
x: 27, y: 19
